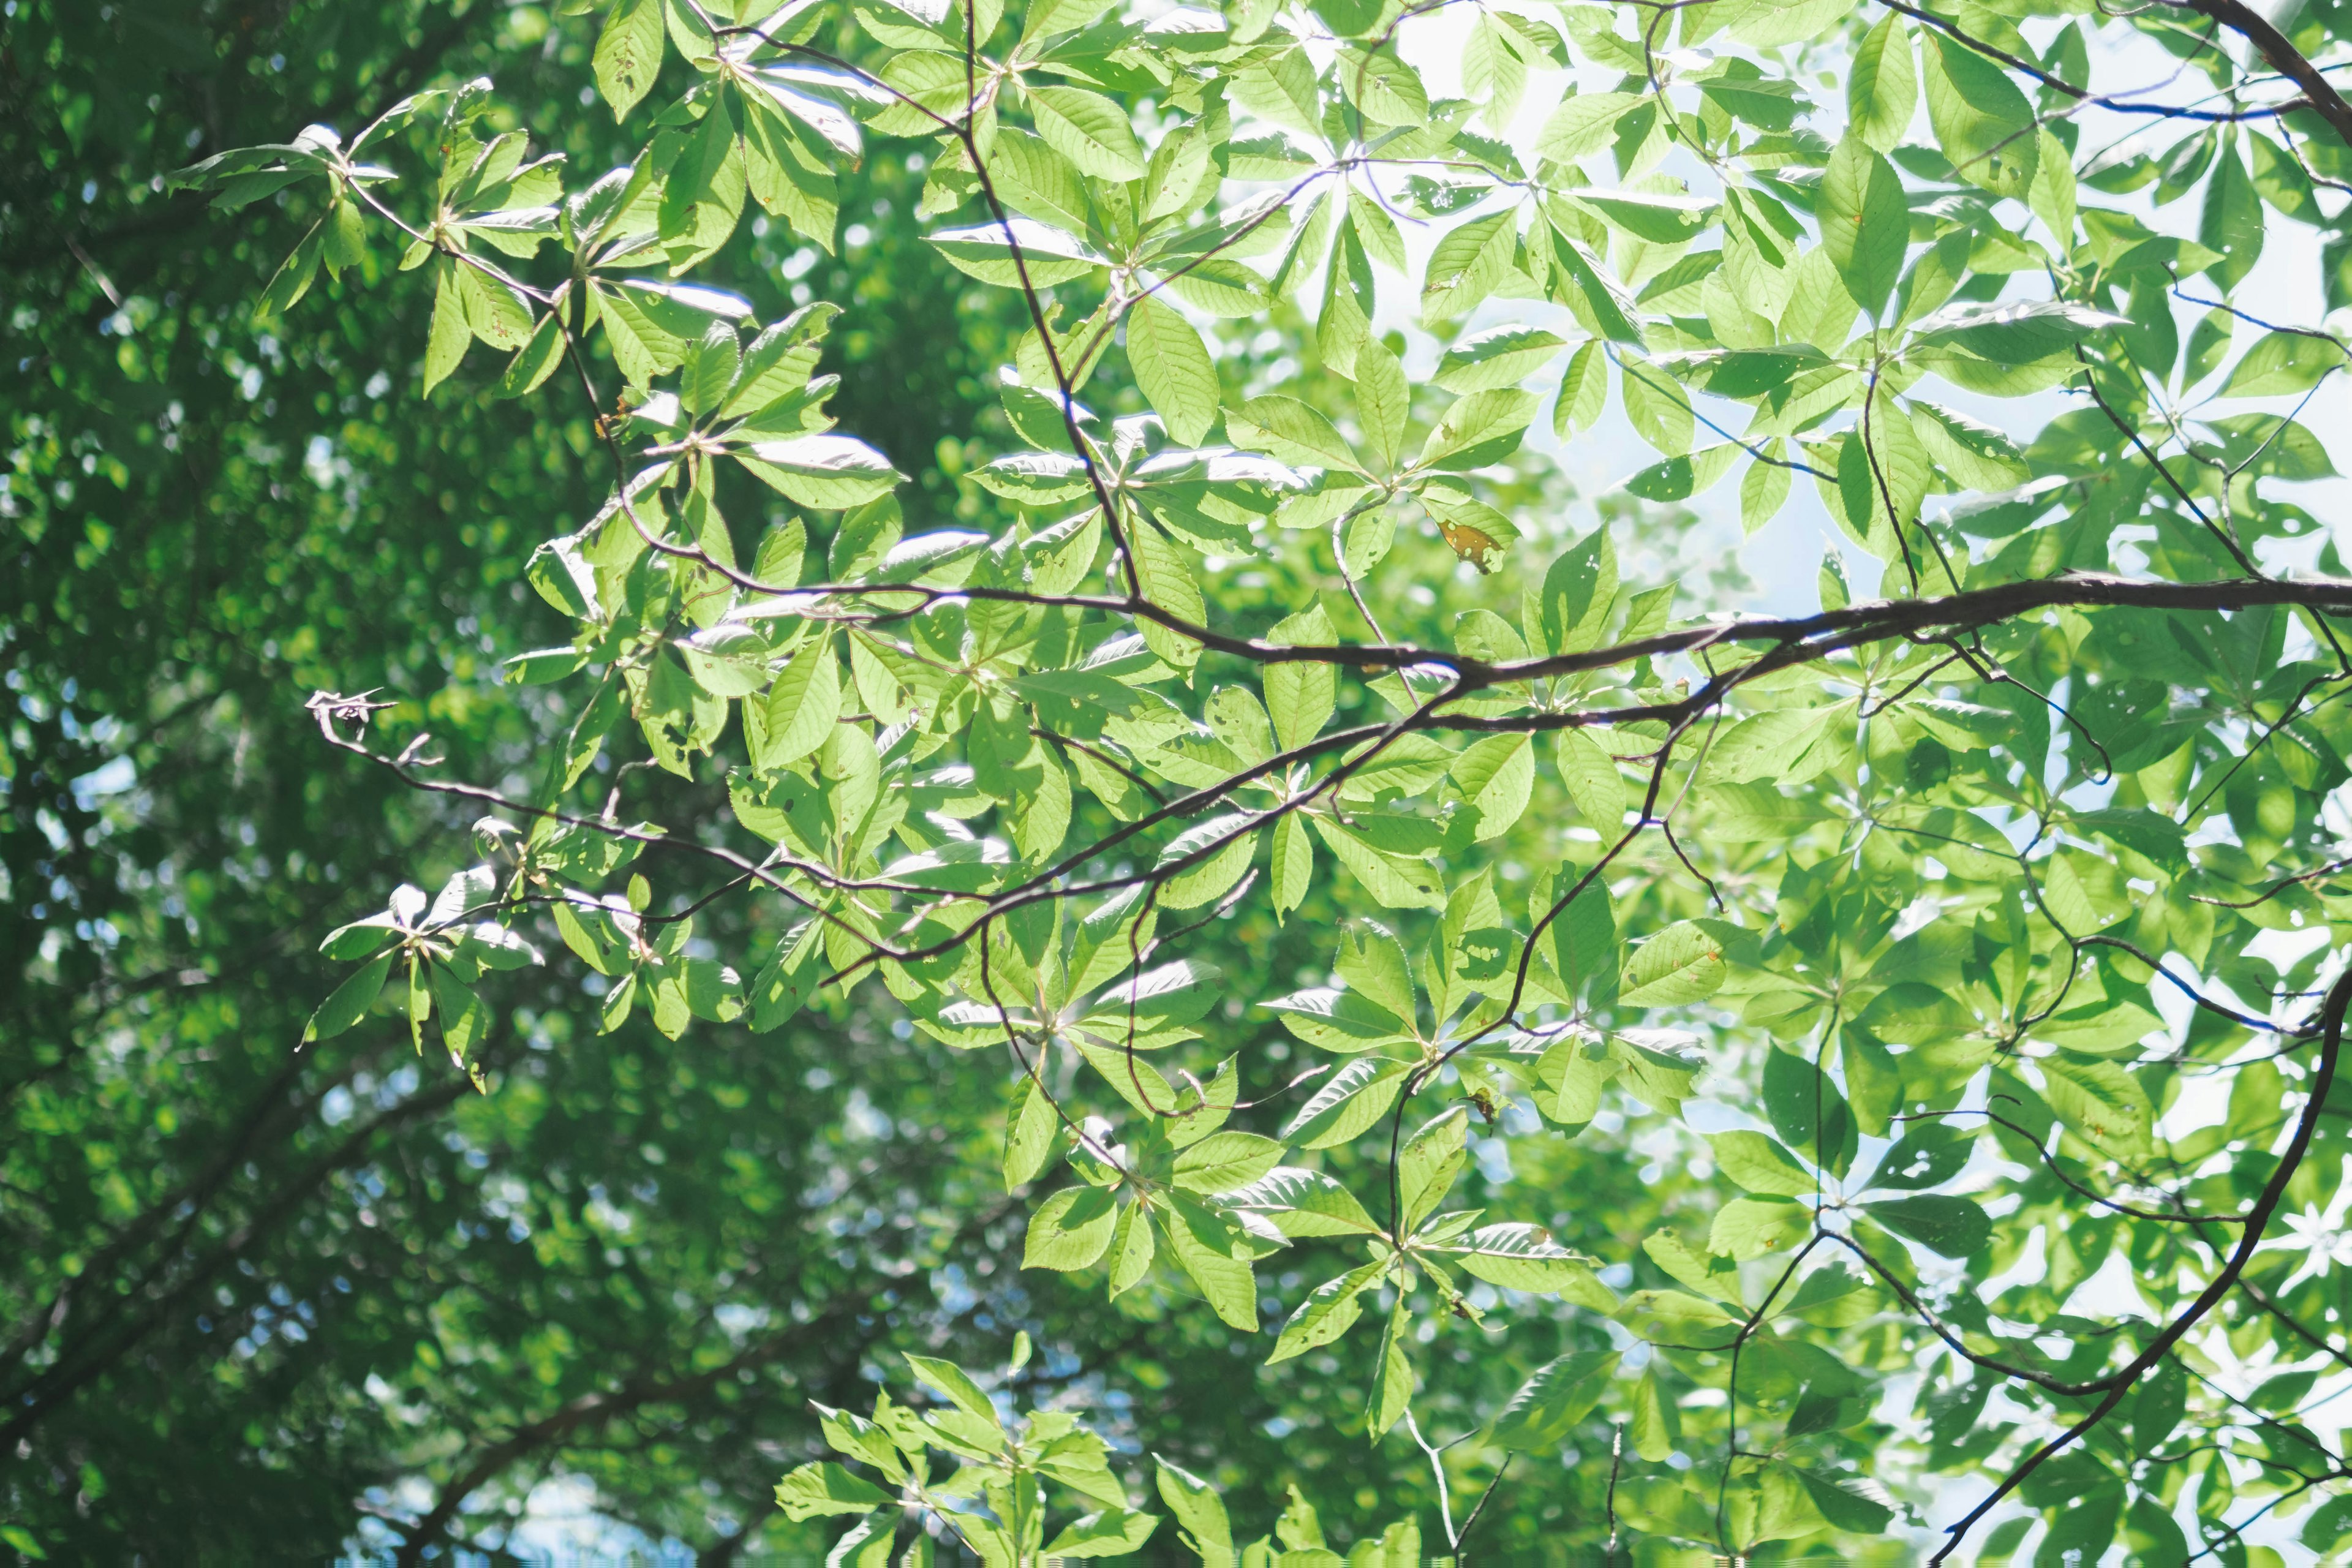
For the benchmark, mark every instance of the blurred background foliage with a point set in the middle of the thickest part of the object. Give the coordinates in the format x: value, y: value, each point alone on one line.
x: 264, y: 1302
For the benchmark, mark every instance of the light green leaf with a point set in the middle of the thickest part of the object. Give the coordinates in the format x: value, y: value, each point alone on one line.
x: 1300, y: 696
x: 1583, y: 124
x: 1467, y: 264
x: 1223, y: 1162
x: 1291, y: 866
x: 1982, y: 122
x: 836, y: 472
x: 799, y: 708
x: 1088, y: 130
x: 1071, y: 1229
x: 1866, y: 222
x: 2099, y: 1101
x: 1338, y: 1020
x: 1329, y: 1311
x: 1497, y: 776
x: 1113, y: 1533
x: 1500, y: 356
x: 1287, y: 429
x: 1200, y: 1514
x: 1525, y: 1257
x: 350, y: 1000
x: 1747, y: 1228
x: 1583, y: 391
x: 1567, y: 612
x: 1383, y: 401
x: 822, y: 1489
x: 1172, y: 368
x: 1954, y: 1226
x: 446, y: 341
x: 1681, y: 964
x: 1428, y: 1163
x: 2282, y: 365
x: 629, y: 54
x: 1209, y: 1247
x: 1305, y: 1202
x: 1029, y: 1135
x: 1882, y: 85
x: 1760, y: 1164
x: 1546, y: 1407
x: 1348, y: 1103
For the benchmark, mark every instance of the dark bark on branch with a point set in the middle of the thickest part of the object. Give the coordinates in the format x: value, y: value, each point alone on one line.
x: 2283, y: 55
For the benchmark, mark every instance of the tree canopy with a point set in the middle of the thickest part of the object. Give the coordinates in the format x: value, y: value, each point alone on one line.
x: 1081, y: 826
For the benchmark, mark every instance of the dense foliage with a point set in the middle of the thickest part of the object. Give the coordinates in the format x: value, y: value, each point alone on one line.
x: 1762, y: 1078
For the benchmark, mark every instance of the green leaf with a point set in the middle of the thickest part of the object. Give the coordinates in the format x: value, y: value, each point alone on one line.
x: 799, y: 708
x: 1206, y: 1244
x: 1030, y: 1129
x: 1659, y: 220
x: 955, y: 1385
x: 1956, y: 1227
x: 1928, y: 1155
x: 1216, y: 873
x: 824, y: 1489
x: 2016, y: 333
x: 1866, y: 221
x: 1882, y: 86
x: 1583, y: 124
x: 2232, y: 222
x: 1394, y: 1391
x: 1224, y: 1161
x: 1113, y: 1533
x: 1395, y: 881
x: 1567, y: 612
x: 1589, y: 293
x: 1071, y: 1229
x: 351, y: 1000
x: 1592, y: 780
x: 629, y: 54
x: 1583, y: 391
x: 2282, y: 365
x: 2099, y: 1101
x: 1525, y: 1257
x: 1682, y: 965
x: 446, y: 341
x: 1747, y: 1228
x: 1982, y: 122
x: 1005, y: 254
x: 1172, y: 369
x: 1845, y: 1509
x: 1760, y: 1165
x: 1467, y: 264
x: 1088, y: 130
x: 1300, y: 697
x: 1658, y: 410
x: 1338, y: 1020
x: 1763, y: 490
x: 1287, y: 429
x: 494, y: 312
x: 1428, y: 1163
x: 1500, y: 356
x: 1347, y: 1104
x: 1329, y: 1311
x: 1546, y: 1407
x: 1496, y: 777
x: 1200, y: 1514
x: 1383, y: 401
x: 1290, y: 864
x: 535, y: 361
x: 1679, y: 478
x: 836, y: 472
